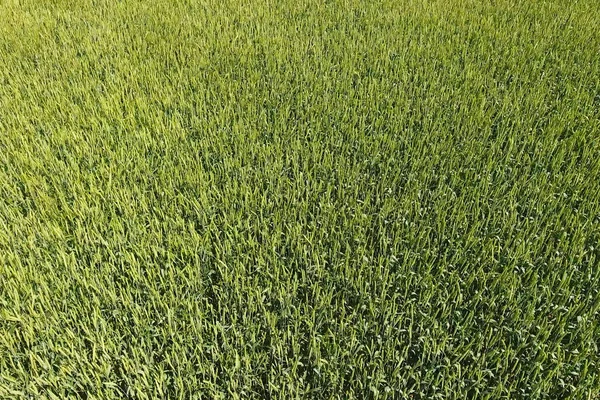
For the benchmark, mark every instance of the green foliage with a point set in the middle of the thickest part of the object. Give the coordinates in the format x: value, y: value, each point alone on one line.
x: 299, y: 199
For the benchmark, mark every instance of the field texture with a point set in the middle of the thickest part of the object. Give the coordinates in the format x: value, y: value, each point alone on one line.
x: 260, y: 199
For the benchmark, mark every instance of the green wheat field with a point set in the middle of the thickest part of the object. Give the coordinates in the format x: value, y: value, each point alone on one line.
x: 299, y: 199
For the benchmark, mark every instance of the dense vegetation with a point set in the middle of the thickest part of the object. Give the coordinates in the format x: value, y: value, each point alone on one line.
x: 299, y: 199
